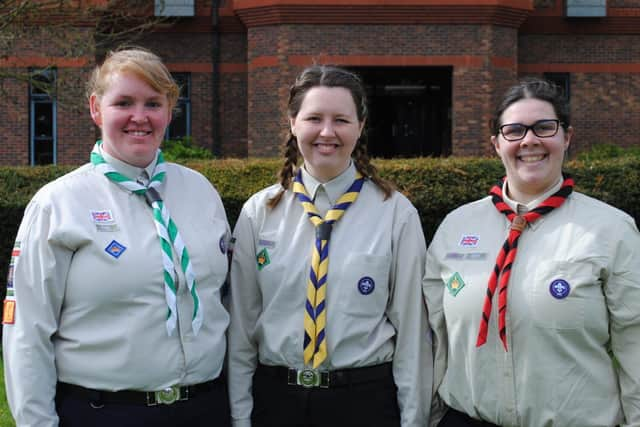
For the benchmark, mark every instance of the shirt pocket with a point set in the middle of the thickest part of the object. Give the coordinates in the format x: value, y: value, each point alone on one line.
x: 562, y: 293
x: 363, y: 286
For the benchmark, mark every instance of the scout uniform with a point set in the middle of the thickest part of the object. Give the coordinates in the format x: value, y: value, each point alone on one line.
x: 88, y: 309
x: 573, y: 294
x: 375, y: 313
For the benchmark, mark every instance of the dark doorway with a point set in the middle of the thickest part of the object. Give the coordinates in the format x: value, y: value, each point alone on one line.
x: 410, y: 110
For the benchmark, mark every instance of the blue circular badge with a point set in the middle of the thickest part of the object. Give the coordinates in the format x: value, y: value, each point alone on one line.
x: 223, y: 245
x: 366, y: 285
x: 559, y: 288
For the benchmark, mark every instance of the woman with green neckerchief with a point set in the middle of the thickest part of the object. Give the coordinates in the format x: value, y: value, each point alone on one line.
x: 114, y: 313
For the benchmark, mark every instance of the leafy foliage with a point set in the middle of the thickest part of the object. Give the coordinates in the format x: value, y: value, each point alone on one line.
x: 435, y: 186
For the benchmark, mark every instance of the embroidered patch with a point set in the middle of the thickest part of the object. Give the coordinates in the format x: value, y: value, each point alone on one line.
x: 223, y: 245
x: 10, y: 277
x: 15, y: 254
x: 262, y: 258
x: 469, y: 240
x: 476, y: 256
x: 559, y: 288
x: 115, y: 249
x: 9, y: 311
x: 455, y: 284
x: 103, y: 220
x: 266, y: 243
x: 366, y: 285
x: 454, y: 255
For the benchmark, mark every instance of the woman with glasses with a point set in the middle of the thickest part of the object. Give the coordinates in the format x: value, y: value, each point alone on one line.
x: 533, y: 291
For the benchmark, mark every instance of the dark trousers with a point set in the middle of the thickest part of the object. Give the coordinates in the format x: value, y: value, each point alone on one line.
x: 455, y: 418
x: 276, y: 404
x: 207, y: 409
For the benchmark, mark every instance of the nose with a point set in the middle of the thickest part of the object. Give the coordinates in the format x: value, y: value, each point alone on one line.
x: 327, y: 129
x: 138, y: 114
x: 530, y: 138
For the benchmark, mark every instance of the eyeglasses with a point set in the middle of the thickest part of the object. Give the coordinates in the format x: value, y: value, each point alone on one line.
x: 541, y: 129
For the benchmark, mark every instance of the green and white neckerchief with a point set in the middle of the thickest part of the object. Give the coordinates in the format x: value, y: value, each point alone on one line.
x: 167, y: 232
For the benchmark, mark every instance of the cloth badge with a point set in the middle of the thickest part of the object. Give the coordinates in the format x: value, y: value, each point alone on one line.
x: 266, y: 243
x: 454, y: 255
x: 476, y: 256
x: 10, y: 277
x: 262, y: 258
x: 103, y: 220
x: 223, y: 245
x: 366, y: 285
x: 9, y: 311
x: 469, y: 240
x: 115, y: 249
x: 15, y: 254
x: 559, y: 289
x: 455, y: 284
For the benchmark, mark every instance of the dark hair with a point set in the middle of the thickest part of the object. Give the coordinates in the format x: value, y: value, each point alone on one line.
x: 534, y: 88
x: 329, y: 76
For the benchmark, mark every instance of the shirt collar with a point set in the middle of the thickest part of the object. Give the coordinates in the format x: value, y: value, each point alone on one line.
x: 130, y: 171
x: 334, y: 188
x: 522, y: 208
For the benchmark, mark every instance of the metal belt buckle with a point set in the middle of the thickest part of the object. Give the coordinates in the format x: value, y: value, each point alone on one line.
x: 312, y: 378
x: 168, y: 395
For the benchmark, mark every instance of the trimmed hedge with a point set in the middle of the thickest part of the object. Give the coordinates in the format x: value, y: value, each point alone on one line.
x: 435, y: 186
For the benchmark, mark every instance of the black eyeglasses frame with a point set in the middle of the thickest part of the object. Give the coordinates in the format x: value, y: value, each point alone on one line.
x: 532, y: 128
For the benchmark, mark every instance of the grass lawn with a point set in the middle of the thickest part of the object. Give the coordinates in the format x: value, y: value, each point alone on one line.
x: 6, y: 420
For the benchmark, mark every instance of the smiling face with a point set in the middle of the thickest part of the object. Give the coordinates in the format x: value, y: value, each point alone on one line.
x: 133, y: 118
x: 532, y: 164
x: 327, y: 130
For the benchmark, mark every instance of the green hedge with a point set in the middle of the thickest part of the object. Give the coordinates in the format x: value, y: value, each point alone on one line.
x: 435, y: 186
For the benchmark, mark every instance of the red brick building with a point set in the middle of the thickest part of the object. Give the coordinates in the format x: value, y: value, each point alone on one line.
x: 434, y: 69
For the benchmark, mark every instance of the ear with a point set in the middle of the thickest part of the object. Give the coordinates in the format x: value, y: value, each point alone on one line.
x: 94, y: 107
x: 567, y: 137
x: 496, y: 144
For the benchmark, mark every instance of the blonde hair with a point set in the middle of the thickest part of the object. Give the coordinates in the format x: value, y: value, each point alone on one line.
x: 140, y: 62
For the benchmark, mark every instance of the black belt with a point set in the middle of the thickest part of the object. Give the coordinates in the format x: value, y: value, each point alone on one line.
x: 166, y: 396
x: 327, y: 379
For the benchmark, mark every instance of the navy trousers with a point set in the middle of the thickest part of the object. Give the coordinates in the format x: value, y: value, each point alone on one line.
x: 208, y: 409
x: 276, y: 404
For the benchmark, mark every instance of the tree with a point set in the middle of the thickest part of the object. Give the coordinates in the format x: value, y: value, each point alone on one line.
x: 38, y: 35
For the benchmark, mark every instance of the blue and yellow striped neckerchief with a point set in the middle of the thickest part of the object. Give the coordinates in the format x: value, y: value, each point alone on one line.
x: 315, y: 313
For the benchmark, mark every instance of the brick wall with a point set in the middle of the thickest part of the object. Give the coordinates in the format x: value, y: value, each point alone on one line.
x: 14, y: 126
x: 605, y: 84
x: 471, y: 50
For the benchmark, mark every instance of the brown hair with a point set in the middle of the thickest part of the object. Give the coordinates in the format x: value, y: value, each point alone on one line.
x: 140, y: 62
x: 329, y: 76
x: 534, y: 88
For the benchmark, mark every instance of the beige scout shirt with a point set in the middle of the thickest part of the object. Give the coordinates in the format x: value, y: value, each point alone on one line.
x: 375, y: 238
x: 89, y: 318
x: 557, y: 371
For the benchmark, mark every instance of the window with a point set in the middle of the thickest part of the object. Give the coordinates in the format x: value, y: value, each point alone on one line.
x: 42, y: 117
x: 562, y: 80
x: 180, y: 125
x: 174, y: 7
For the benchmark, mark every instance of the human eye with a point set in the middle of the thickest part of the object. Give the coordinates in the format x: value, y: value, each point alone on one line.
x: 545, y: 127
x: 153, y: 103
x: 513, y: 130
x: 312, y: 118
x: 122, y: 102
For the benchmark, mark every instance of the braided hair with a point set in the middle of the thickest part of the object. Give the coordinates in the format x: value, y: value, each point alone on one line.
x: 328, y: 76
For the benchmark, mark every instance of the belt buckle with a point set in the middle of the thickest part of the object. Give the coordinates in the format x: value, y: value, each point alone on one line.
x: 166, y: 396
x: 309, y: 378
